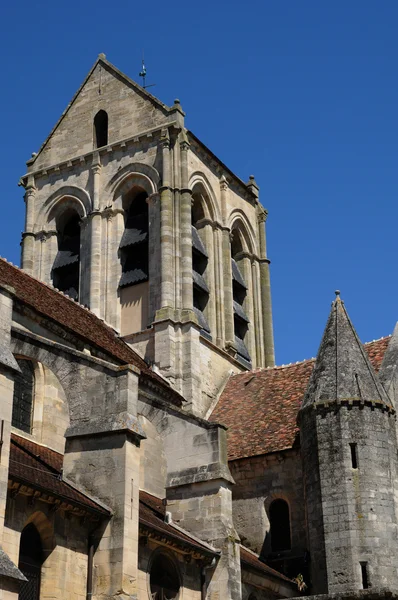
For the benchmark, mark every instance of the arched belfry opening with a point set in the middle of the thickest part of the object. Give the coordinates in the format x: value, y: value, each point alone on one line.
x: 31, y: 558
x: 66, y: 267
x: 134, y: 257
x: 279, y: 517
x: 200, y: 259
x: 239, y: 291
x: 100, y: 129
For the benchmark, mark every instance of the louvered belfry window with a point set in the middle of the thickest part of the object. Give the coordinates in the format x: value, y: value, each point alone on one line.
x: 134, y: 244
x: 66, y: 267
x: 22, y: 406
x: 201, y: 291
x: 241, y: 320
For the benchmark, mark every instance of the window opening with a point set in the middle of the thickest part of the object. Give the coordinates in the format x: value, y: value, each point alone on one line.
x: 66, y: 267
x: 100, y: 129
x: 354, y: 456
x: 280, y: 526
x: 30, y: 562
x: 164, y: 579
x: 22, y: 407
x: 364, y: 574
x: 200, y: 259
x: 239, y: 291
x: 134, y: 244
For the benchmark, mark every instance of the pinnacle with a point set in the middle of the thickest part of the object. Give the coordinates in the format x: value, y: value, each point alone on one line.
x: 342, y: 369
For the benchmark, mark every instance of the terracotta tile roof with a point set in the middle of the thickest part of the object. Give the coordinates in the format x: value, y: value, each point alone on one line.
x: 260, y: 407
x: 151, y: 515
x: 72, y: 316
x: 40, y: 468
x: 249, y: 559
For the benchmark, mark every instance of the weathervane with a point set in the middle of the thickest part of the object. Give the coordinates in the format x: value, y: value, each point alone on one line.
x: 143, y: 75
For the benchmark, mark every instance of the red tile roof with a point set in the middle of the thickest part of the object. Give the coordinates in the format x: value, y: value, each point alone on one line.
x: 249, y: 559
x: 40, y: 468
x: 72, y: 316
x: 260, y: 407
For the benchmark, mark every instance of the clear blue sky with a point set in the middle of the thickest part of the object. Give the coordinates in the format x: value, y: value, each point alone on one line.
x: 303, y: 94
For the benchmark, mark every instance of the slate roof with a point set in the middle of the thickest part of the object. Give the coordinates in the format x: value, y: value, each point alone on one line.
x: 260, y: 407
x: 39, y: 467
x: 54, y: 305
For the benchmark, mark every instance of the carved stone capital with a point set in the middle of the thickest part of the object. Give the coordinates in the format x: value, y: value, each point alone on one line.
x: 153, y: 199
x: 223, y: 183
x: 262, y: 216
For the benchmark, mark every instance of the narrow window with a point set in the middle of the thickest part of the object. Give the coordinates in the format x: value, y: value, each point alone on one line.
x: 22, y: 407
x: 239, y: 291
x: 280, y: 526
x: 30, y: 562
x: 200, y: 261
x: 100, y: 129
x: 66, y: 267
x: 354, y: 456
x: 364, y: 574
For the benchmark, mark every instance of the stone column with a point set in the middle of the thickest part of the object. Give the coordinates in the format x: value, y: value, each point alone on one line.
x: 95, y: 247
x: 166, y: 227
x: 265, y: 285
x: 246, y: 264
x: 28, y: 241
x: 258, y: 323
x: 186, y: 228
x: 154, y: 255
x: 8, y: 368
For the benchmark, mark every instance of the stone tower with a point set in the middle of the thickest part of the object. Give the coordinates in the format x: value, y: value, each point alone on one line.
x: 132, y: 215
x: 349, y: 450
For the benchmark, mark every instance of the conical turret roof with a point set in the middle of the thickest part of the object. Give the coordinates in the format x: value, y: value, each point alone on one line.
x: 342, y: 369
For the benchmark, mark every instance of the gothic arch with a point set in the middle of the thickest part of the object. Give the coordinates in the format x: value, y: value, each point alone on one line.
x: 45, y: 530
x: 132, y: 175
x: 238, y: 222
x: 65, y: 197
x: 199, y: 183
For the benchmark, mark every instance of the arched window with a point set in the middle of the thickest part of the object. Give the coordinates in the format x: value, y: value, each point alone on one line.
x: 100, y: 129
x: 199, y: 265
x: 164, y: 579
x: 30, y: 562
x: 134, y: 258
x: 280, y: 525
x: 239, y: 290
x: 66, y: 267
x: 24, y: 384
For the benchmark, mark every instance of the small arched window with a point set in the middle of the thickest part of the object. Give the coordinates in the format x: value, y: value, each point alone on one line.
x: 239, y: 290
x: 200, y: 261
x: 280, y: 525
x: 66, y: 267
x: 24, y: 384
x: 164, y: 579
x: 30, y: 562
x: 100, y: 129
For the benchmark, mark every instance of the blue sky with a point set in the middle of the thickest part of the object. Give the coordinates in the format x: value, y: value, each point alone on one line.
x: 303, y: 94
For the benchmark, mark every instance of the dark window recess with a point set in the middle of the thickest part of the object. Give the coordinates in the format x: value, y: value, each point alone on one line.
x: 164, y: 579
x: 66, y: 267
x: 364, y: 574
x: 280, y: 526
x: 30, y: 563
x: 354, y: 456
x: 24, y: 384
x: 134, y: 245
x: 100, y: 129
x: 201, y: 291
x: 241, y: 321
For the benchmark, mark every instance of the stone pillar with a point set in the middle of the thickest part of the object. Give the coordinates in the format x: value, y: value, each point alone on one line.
x: 28, y: 241
x: 246, y: 264
x: 258, y: 322
x: 95, y: 246
x: 104, y: 456
x: 8, y: 367
x: 265, y: 286
x: 166, y: 227
x: 186, y: 228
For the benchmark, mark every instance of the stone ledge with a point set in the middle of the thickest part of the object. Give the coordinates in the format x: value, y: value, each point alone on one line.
x: 199, y: 474
x: 123, y: 422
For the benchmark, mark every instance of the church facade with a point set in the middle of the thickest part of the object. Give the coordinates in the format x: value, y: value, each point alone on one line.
x: 150, y: 448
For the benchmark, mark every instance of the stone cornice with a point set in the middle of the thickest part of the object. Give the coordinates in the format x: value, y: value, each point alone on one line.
x: 92, y: 156
x: 349, y: 403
